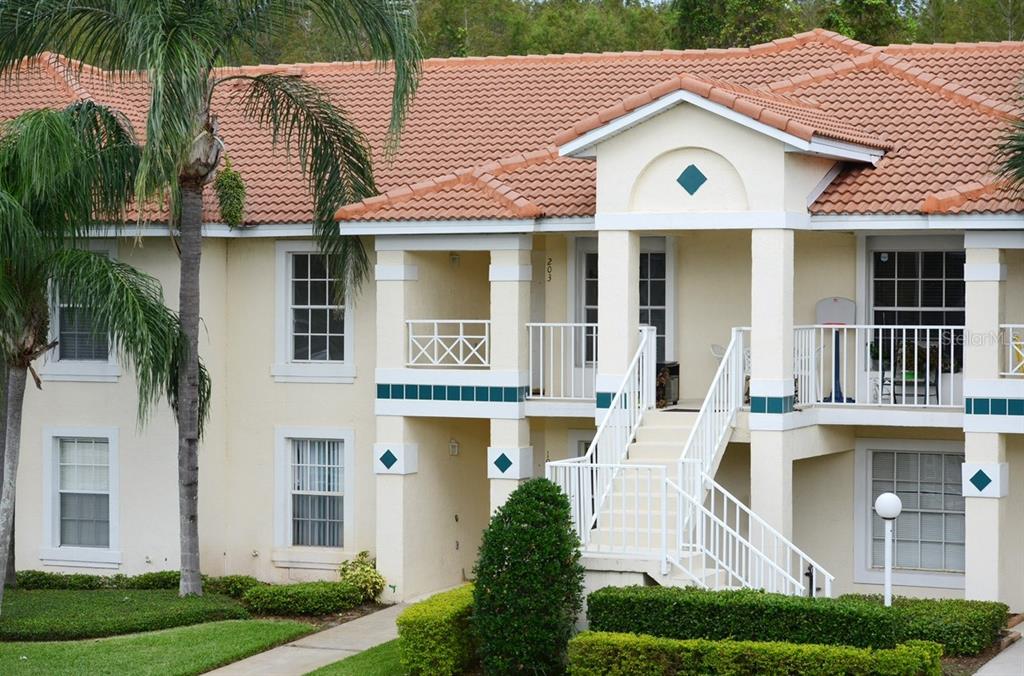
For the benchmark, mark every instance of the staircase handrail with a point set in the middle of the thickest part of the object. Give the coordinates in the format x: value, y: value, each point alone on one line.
x: 725, y: 389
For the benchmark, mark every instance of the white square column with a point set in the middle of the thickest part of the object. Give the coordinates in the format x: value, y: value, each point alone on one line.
x: 509, y: 458
x: 396, y: 276
x: 395, y: 458
x: 510, y: 274
x: 986, y: 408
x: 771, y: 377
x: 618, y: 308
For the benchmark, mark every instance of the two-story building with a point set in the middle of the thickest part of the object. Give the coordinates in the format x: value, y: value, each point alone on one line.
x: 723, y: 298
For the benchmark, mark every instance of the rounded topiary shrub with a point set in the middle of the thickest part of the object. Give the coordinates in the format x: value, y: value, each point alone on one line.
x: 529, y: 582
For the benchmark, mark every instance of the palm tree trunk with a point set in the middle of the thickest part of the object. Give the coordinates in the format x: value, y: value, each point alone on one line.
x: 191, y: 242
x: 15, y: 398
x: 10, y: 579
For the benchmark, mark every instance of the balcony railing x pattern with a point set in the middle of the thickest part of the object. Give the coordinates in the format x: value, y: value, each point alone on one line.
x: 874, y: 365
x: 449, y: 343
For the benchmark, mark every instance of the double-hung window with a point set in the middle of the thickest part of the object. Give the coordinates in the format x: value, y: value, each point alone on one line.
x: 313, y: 514
x: 314, y: 328
x: 929, y: 533
x: 80, y: 510
x: 82, y: 352
x: 317, y: 492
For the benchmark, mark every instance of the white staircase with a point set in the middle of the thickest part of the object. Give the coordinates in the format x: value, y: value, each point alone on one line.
x: 645, y: 491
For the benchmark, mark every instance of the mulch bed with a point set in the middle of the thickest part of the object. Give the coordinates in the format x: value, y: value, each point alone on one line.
x: 328, y: 621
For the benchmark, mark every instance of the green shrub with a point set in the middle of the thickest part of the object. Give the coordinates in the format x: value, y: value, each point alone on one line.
x: 161, y: 579
x: 601, y: 654
x: 39, y: 579
x: 303, y: 598
x: 436, y: 636
x: 64, y: 615
x: 362, y: 573
x: 529, y: 582
x: 745, y: 614
x: 962, y: 627
x: 234, y: 586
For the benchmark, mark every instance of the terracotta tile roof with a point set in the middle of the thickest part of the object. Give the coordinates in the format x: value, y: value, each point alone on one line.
x: 783, y: 113
x: 938, y: 110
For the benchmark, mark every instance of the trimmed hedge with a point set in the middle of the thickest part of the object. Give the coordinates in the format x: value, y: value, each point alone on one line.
x: 962, y: 627
x: 436, y: 635
x: 234, y: 586
x: 689, y: 613
x: 603, y: 654
x: 65, y: 615
x: 303, y: 598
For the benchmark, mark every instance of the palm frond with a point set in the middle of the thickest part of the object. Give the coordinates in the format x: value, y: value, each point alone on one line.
x: 389, y: 28
x: 1010, y: 157
x: 128, y: 305
x: 332, y: 152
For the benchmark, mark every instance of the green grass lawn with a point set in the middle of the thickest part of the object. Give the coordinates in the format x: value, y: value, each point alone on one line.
x: 54, y: 615
x: 172, y: 652
x: 379, y: 661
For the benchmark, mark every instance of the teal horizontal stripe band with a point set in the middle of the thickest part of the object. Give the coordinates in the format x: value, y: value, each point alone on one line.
x: 993, y: 406
x: 480, y: 393
x: 772, y: 404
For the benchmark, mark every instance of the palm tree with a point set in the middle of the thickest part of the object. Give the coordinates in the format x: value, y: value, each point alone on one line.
x: 177, y: 45
x: 62, y: 173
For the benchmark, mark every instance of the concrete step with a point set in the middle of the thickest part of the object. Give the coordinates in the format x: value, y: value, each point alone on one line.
x: 655, y: 451
x: 665, y: 433
x: 669, y: 418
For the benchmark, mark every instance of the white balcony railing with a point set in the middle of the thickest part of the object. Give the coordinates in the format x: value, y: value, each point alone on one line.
x: 1013, y: 339
x: 874, y: 365
x: 449, y: 343
x: 563, y: 360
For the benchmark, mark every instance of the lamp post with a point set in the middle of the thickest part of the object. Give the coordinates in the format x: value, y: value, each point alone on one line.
x: 888, y: 506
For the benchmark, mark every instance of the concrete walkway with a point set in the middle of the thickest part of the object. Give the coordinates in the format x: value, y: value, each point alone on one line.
x: 1010, y: 662
x: 322, y: 648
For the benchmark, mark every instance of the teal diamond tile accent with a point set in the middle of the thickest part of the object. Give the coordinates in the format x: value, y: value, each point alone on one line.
x: 503, y: 463
x: 388, y: 459
x: 691, y: 179
x: 980, y: 480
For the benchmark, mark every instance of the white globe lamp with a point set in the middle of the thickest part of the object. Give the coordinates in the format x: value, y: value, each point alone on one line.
x: 888, y: 506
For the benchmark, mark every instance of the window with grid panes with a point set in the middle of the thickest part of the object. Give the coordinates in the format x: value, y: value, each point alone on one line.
x: 918, y: 288
x: 83, y: 470
x: 78, y: 339
x: 653, y: 284
x: 317, y: 320
x: 929, y: 532
x: 317, y: 492
x: 653, y: 294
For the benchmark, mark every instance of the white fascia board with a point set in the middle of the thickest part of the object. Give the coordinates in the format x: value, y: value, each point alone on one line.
x: 214, y: 230
x: 914, y: 222
x: 435, y: 242
x: 582, y: 146
x: 702, y: 220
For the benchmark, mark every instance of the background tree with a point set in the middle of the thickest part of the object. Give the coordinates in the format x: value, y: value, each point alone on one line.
x: 61, y: 173
x: 177, y: 45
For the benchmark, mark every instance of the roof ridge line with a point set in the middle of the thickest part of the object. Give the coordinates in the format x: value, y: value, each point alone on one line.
x: 503, y: 192
x: 57, y: 66
x: 958, y: 195
x: 710, y: 91
x: 951, y: 46
x: 952, y: 90
x: 475, y: 174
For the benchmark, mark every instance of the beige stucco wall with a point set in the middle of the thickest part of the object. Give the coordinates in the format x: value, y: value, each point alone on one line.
x: 148, y: 507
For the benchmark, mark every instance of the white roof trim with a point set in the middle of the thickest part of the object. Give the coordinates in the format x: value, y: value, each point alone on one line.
x: 583, y: 145
x: 918, y: 222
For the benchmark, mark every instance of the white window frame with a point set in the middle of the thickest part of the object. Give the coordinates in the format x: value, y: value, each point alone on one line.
x: 658, y: 244
x: 88, y: 371
x: 52, y: 553
x: 575, y: 437
x: 285, y: 554
x: 284, y: 369
x: 863, y: 572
